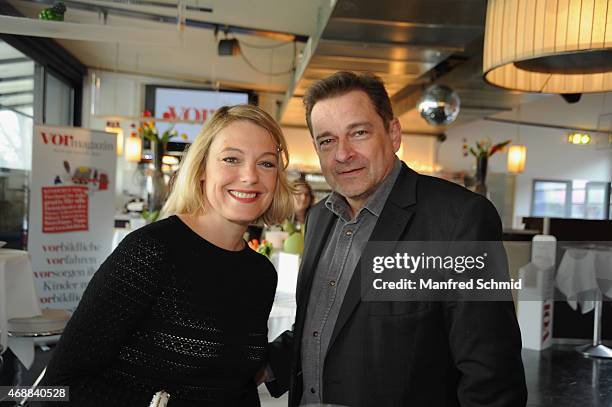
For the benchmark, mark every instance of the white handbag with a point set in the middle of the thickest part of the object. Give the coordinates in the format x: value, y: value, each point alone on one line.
x: 160, y: 399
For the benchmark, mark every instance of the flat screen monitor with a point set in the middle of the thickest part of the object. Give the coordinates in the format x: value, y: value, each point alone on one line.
x: 189, y: 104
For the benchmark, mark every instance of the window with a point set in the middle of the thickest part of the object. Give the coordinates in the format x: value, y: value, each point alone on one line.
x: 29, y: 93
x: 571, y: 199
x: 610, y: 206
x: 597, y: 195
x: 578, y: 199
x: 551, y: 198
x: 16, y: 108
x: 59, y: 101
x: 15, y: 140
x: 40, y: 83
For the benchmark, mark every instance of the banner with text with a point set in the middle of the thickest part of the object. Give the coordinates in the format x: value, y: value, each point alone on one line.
x: 71, y: 210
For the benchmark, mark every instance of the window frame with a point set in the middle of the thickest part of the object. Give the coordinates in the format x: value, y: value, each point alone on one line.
x: 567, y: 208
x: 53, y: 58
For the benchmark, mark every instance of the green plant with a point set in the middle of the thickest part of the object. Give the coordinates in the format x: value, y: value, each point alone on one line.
x: 149, y: 132
x: 150, y: 217
x: 264, y: 247
x: 54, y: 13
x: 483, y: 148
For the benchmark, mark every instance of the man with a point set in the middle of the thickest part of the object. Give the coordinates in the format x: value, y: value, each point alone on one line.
x: 351, y: 352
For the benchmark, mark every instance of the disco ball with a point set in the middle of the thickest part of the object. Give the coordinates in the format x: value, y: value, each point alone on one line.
x: 439, y: 105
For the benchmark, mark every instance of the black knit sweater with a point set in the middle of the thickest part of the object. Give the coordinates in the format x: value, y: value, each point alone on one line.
x: 168, y: 310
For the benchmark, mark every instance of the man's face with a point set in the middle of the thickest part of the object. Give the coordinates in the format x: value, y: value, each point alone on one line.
x: 355, y: 151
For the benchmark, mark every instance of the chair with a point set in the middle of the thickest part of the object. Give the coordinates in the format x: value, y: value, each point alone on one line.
x: 47, y: 326
x: 519, y: 254
x: 50, y: 322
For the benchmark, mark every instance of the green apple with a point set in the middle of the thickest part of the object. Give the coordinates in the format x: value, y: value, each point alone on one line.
x: 288, y: 227
x: 294, y: 244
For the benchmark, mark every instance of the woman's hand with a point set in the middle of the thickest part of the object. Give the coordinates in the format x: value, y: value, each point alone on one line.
x: 262, y: 376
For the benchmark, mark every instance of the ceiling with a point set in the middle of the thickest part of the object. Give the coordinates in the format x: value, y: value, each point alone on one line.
x: 410, y: 44
x: 193, y: 56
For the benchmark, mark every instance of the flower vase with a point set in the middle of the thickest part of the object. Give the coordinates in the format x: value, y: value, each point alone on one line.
x: 155, y: 185
x: 482, y: 163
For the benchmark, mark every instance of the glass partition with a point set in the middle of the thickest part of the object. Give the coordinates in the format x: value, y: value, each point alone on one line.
x: 16, y: 126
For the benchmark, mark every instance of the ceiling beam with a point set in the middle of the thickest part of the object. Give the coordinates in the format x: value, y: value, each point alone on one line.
x: 16, y: 78
x: 392, y: 44
x: 484, y: 108
x: 347, y: 58
x: 406, y: 99
x: 86, y: 32
x: 404, y: 24
x: 544, y: 125
x: 19, y: 93
x: 4, y: 107
x: 161, y: 4
x: 161, y: 18
x: 11, y: 106
x: 14, y: 60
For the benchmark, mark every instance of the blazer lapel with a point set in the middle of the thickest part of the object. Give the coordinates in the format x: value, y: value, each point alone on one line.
x: 394, y: 218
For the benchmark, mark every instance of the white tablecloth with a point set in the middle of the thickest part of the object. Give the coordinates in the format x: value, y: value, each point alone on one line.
x: 18, y: 297
x: 118, y: 235
x: 282, y: 315
x: 583, y: 273
x: 287, y: 266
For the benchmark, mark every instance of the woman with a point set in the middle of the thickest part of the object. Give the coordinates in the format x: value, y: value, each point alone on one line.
x: 303, y: 199
x: 182, y: 304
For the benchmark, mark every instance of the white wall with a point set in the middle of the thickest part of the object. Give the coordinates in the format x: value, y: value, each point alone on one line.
x: 418, y: 152
x: 549, y: 156
x: 302, y: 154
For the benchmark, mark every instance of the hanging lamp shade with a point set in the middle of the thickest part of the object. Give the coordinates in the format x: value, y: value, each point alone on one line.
x: 549, y: 46
x: 517, y: 155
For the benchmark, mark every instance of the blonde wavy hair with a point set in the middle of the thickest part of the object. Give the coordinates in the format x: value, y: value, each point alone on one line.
x: 188, y: 195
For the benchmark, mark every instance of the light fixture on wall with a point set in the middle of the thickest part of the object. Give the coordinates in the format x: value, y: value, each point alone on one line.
x: 114, y: 127
x: 170, y: 160
x: 133, y: 148
x: 579, y: 138
x: 549, y: 46
x: 517, y: 155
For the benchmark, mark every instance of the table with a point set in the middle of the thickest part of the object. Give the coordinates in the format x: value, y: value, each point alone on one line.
x: 118, y: 235
x: 287, y: 268
x: 282, y: 315
x: 18, y: 297
x: 585, y: 277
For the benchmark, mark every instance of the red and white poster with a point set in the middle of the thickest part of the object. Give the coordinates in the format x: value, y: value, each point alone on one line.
x: 71, y: 210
